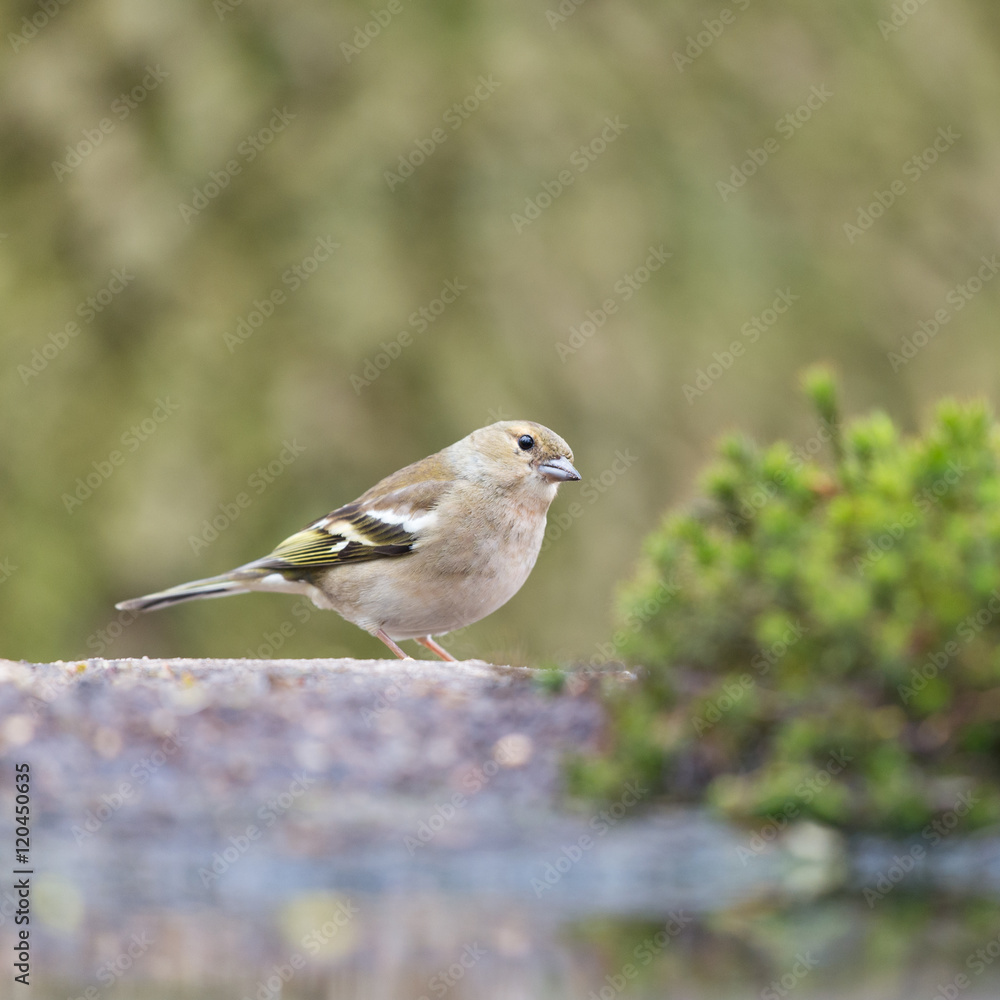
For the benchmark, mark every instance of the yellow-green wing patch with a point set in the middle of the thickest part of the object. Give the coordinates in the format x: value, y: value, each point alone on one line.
x: 348, y: 535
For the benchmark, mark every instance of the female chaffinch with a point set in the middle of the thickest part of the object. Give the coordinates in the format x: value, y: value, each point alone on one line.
x: 435, y: 546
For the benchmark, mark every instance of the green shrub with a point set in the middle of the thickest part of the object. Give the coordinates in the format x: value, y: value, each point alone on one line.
x: 822, y: 640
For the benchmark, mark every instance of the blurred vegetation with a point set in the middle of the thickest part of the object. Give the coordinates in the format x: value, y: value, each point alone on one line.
x: 201, y: 150
x: 856, y: 953
x: 822, y: 639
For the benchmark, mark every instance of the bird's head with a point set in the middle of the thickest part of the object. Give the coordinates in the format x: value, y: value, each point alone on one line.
x: 522, y: 454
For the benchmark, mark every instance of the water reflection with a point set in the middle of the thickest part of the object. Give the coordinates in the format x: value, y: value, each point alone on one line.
x: 425, y: 945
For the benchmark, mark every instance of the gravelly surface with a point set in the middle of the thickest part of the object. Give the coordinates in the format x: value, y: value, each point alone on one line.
x: 202, y: 741
x: 375, y: 775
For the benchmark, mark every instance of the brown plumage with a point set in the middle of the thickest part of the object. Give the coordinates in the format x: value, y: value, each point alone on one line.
x: 435, y: 546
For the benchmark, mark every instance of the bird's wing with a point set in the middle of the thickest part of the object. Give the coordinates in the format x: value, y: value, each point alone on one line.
x: 393, y: 525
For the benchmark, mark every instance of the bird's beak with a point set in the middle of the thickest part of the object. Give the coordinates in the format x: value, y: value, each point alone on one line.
x: 558, y: 470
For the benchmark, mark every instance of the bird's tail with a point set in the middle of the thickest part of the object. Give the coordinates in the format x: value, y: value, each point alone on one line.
x: 239, y: 581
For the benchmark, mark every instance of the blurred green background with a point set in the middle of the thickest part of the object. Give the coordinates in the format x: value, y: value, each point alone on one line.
x: 165, y: 168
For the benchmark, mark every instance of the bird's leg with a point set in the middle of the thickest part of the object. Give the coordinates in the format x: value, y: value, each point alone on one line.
x: 437, y: 649
x: 380, y: 634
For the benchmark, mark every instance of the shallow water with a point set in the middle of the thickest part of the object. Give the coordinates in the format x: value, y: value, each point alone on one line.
x: 662, y: 908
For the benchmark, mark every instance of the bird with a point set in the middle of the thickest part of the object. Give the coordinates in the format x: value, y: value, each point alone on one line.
x: 436, y: 546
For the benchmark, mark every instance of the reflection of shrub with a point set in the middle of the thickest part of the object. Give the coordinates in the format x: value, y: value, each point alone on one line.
x: 849, y: 613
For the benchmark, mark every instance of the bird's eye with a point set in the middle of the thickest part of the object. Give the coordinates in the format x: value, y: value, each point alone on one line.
x: 526, y: 442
